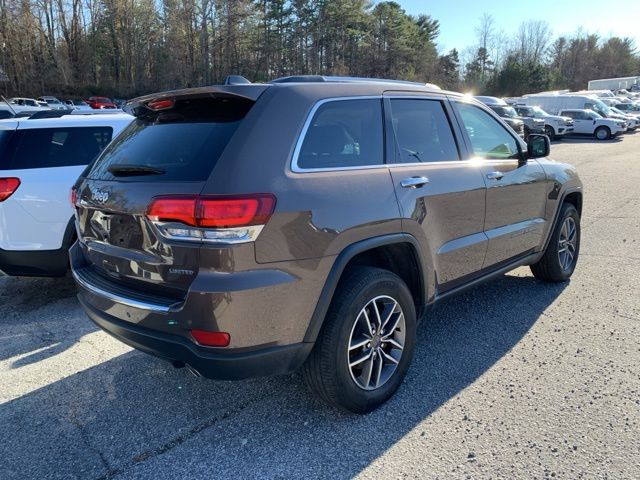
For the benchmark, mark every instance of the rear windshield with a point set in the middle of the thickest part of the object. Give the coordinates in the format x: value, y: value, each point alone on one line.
x: 51, y: 147
x: 183, y: 143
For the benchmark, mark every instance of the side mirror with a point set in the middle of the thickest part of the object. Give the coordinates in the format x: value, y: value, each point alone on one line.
x: 538, y: 146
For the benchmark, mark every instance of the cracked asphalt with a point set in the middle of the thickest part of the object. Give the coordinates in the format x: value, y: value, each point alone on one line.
x: 514, y: 379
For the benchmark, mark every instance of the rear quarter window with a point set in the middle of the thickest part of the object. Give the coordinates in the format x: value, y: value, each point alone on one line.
x: 52, y: 147
x: 343, y: 133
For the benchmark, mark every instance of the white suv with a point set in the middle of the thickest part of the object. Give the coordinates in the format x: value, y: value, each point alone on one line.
x: 39, y: 162
x: 588, y: 122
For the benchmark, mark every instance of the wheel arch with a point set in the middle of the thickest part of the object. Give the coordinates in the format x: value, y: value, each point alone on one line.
x: 570, y: 195
x: 399, y: 253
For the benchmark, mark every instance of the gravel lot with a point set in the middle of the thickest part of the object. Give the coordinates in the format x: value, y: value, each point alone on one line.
x: 515, y: 379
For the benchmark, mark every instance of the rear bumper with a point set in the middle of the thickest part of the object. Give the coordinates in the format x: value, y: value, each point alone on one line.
x: 207, y: 362
x: 35, y: 263
x: 256, y: 307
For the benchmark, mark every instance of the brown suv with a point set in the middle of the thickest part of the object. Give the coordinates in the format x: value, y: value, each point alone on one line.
x: 253, y: 229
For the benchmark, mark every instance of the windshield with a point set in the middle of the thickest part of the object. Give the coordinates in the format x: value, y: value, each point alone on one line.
x: 599, y: 107
x: 101, y: 100
x: 593, y: 115
x: 504, y: 111
x: 615, y: 110
x: 526, y: 111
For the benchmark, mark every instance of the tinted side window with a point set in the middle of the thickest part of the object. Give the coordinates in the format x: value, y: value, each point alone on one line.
x: 488, y: 138
x: 344, y: 133
x: 54, y: 147
x: 423, y: 132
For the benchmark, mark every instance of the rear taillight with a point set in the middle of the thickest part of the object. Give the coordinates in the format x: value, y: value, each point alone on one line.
x: 220, y: 218
x: 7, y: 187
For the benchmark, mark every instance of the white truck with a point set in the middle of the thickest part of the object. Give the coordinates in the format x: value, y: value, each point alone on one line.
x: 628, y: 83
x: 588, y: 122
x: 553, y: 104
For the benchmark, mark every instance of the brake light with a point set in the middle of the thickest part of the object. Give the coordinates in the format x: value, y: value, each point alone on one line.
x: 220, y: 218
x: 160, y: 104
x: 7, y: 187
x: 211, y: 339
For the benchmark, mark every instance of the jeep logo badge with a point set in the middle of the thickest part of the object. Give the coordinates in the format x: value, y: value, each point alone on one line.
x: 99, y: 196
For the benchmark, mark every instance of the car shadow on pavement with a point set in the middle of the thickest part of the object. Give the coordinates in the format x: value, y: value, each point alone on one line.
x: 34, y: 318
x: 137, y: 416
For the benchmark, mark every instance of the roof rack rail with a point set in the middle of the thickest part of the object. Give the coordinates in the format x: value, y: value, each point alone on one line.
x: 49, y: 114
x: 301, y: 79
x: 338, y: 79
x: 236, y: 80
x: 62, y: 113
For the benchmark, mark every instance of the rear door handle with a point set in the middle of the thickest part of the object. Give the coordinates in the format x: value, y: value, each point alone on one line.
x: 495, y: 175
x: 414, y: 182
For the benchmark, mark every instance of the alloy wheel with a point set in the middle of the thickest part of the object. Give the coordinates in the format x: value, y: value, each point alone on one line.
x: 376, y: 342
x: 567, y: 243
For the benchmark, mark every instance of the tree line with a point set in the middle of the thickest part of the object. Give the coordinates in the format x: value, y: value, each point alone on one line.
x: 124, y: 48
x: 533, y: 60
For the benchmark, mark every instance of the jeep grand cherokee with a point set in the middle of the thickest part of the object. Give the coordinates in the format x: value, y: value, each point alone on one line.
x: 254, y: 229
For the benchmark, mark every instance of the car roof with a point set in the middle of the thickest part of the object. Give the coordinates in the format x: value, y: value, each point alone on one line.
x: 311, y: 87
x: 67, y: 121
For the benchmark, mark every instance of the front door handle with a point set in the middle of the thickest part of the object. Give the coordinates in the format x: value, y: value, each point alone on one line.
x: 414, y: 182
x: 495, y: 175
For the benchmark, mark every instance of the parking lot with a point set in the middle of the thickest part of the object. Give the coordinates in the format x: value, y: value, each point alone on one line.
x: 514, y: 379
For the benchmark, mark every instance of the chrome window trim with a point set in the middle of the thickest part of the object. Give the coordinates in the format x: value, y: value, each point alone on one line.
x: 307, y: 123
x: 394, y: 95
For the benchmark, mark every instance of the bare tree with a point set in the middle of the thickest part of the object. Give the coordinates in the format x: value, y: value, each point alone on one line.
x: 532, y: 41
x: 485, y: 32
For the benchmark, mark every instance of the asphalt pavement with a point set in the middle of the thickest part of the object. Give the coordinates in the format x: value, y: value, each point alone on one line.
x: 513, y: 379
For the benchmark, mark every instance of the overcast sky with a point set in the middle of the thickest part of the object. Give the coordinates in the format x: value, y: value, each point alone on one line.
x: 459, y: 17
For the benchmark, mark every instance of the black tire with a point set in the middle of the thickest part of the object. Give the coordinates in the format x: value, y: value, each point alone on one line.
x: 549, y: 268
x: 549, y: 132
x: 605, y: 136
x: 327, y: 371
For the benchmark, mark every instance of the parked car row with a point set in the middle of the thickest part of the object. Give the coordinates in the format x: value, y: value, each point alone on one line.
x: 46, y: 102
x: 372, y: 200
x: 600, y: 114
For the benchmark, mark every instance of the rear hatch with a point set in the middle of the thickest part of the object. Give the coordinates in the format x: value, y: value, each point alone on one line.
x: 170, y: 149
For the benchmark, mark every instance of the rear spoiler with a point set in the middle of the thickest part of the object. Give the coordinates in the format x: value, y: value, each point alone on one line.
x: 138, y: 106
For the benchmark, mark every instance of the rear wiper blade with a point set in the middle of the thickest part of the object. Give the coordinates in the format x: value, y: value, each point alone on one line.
x: 133, y: 170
